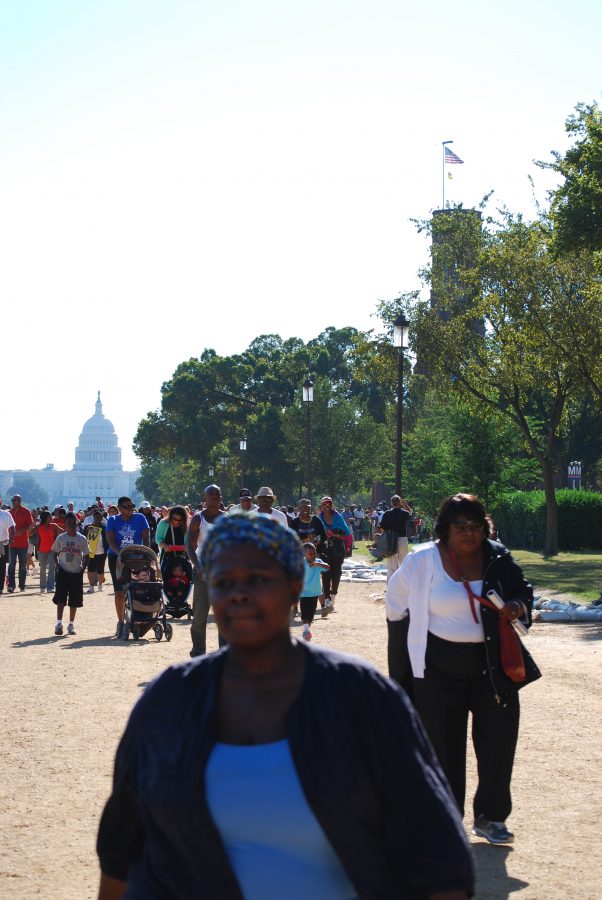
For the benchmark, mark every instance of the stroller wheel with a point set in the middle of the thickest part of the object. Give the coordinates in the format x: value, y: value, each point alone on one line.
x: 168, y: 631
x: 136, y: 632
x: 158, y: 631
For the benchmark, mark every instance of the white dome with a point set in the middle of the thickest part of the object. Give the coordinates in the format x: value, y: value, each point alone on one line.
x: 98, y: 447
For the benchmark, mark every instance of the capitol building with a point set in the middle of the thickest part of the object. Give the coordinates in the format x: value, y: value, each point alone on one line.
x: 97, y: 470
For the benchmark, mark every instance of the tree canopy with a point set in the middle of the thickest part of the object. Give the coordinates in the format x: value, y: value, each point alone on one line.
x: 576, y: 205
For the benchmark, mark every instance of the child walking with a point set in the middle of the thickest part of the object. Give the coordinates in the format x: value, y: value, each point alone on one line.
x: 312, y: 587
x: 71, y: 553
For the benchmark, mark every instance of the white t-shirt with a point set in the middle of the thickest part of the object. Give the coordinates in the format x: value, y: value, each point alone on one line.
x: 71, y: 550
x: 276, y: 514
x: 238, y: 509
x: 6, y: 522
x: 450, y: 615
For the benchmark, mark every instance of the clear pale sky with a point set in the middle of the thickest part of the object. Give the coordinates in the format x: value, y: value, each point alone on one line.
x: 189, y: 174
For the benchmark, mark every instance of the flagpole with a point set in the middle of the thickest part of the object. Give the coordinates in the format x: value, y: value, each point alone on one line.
x: 443, y: 143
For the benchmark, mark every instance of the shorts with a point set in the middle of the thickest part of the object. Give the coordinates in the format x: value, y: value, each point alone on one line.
x: 117, y: 582
x: 96, y: 564
x: 308, y: 608
x: 69, y: 588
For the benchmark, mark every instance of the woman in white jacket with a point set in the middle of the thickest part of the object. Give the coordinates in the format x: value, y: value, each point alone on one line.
x: 444, y: 648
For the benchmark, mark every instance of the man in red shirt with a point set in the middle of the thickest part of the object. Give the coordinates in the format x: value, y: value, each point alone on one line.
x: 18, y: 546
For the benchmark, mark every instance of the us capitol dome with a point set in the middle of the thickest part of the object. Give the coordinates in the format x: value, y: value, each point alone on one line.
x: 97, y: 470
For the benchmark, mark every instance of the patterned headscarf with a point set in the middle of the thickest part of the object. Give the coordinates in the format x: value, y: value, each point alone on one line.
x: 264, y: 532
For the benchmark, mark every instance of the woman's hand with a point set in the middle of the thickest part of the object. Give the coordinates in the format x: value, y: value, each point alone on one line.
x: 512, y: 610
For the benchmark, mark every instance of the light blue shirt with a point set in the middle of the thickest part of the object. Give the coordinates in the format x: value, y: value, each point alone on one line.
x: 274, y: 842
x: 312, y: 582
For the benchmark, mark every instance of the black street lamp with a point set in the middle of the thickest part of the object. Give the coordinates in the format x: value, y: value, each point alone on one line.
x: 308, y: 399
x: 401, y: 328
x: 243, y: 447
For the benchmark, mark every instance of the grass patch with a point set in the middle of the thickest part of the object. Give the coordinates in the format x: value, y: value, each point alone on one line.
x: 579, y: 573
x: 361, y: 552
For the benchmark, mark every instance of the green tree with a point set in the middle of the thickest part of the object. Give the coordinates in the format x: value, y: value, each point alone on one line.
x: 31, y: 491
x: 491, y: 334
x: 455, y: 447
x: 576, y: 205
x: 211, y: 402
x: 348, y: 445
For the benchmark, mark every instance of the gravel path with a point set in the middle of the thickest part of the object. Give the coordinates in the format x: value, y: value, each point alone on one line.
x: 65, y: 700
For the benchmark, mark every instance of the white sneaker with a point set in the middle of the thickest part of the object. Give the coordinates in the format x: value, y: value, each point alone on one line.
x: 306, y: 633
x: 90, y: 590
x: 58, y: 628
x: 70, y: 628
x: 100, y: 587
x: 327, y: 608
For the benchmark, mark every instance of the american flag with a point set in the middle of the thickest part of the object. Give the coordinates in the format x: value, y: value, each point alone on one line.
x: 451, y: 158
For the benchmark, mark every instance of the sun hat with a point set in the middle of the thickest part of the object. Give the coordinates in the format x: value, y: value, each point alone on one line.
x: 265, y: 492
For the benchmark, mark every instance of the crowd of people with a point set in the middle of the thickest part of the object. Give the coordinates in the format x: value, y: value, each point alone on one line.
x: 30, y: 537
x: 266, y: 705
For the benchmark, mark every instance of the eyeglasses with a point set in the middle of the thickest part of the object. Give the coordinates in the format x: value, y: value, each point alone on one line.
x: 468, y: 526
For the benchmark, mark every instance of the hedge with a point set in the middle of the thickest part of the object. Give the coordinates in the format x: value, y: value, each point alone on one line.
x: 520, y: 517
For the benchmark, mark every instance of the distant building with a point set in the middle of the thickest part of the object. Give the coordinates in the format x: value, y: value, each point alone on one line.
x: 97, y: 470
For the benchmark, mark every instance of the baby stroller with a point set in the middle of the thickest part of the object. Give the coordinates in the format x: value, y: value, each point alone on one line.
x: 138, y: 568
x: 176, y: 572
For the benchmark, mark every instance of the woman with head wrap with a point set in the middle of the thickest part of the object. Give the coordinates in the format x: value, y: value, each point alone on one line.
x: 271, y: 769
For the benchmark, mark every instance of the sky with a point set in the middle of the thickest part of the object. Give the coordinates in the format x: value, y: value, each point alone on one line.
x: 190, y: 174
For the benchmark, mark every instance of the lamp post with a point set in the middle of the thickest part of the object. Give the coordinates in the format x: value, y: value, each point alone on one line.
x: 243, y: 447
x: 211, y: 471
x: 308, y: 399
x: 224, y: 461
x: 400, y: 339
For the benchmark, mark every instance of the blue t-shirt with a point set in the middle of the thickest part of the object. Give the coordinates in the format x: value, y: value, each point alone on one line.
x: 274, y: 842
x: 312, y: 581
x: 127, y: 531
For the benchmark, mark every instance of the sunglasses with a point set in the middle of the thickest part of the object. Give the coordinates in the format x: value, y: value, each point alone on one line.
x: 468, y: 526
x: 127, y: 506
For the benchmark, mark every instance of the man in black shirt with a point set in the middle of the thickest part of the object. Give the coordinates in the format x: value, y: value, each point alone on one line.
x: 396, y: 519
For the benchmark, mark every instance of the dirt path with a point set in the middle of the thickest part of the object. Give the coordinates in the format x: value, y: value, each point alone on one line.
x: 64, y: 702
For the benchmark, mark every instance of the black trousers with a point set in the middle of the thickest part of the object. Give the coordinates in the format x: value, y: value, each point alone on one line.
x: 455, y: 684
x: 3, y: 565
x: 331, y: 579
x: 398, y: 657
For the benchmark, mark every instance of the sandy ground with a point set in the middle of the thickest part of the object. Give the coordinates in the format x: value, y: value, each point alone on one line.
x: 65, y: 701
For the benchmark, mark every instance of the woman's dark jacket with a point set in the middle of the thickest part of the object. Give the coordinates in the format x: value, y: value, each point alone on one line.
x: 365, y: 766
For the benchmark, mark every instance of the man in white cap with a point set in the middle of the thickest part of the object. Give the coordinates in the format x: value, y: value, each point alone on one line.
x: 265, y: 500
x: 145, y: 509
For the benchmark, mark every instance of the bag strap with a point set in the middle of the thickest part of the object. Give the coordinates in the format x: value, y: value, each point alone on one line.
x: 474, y: 598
